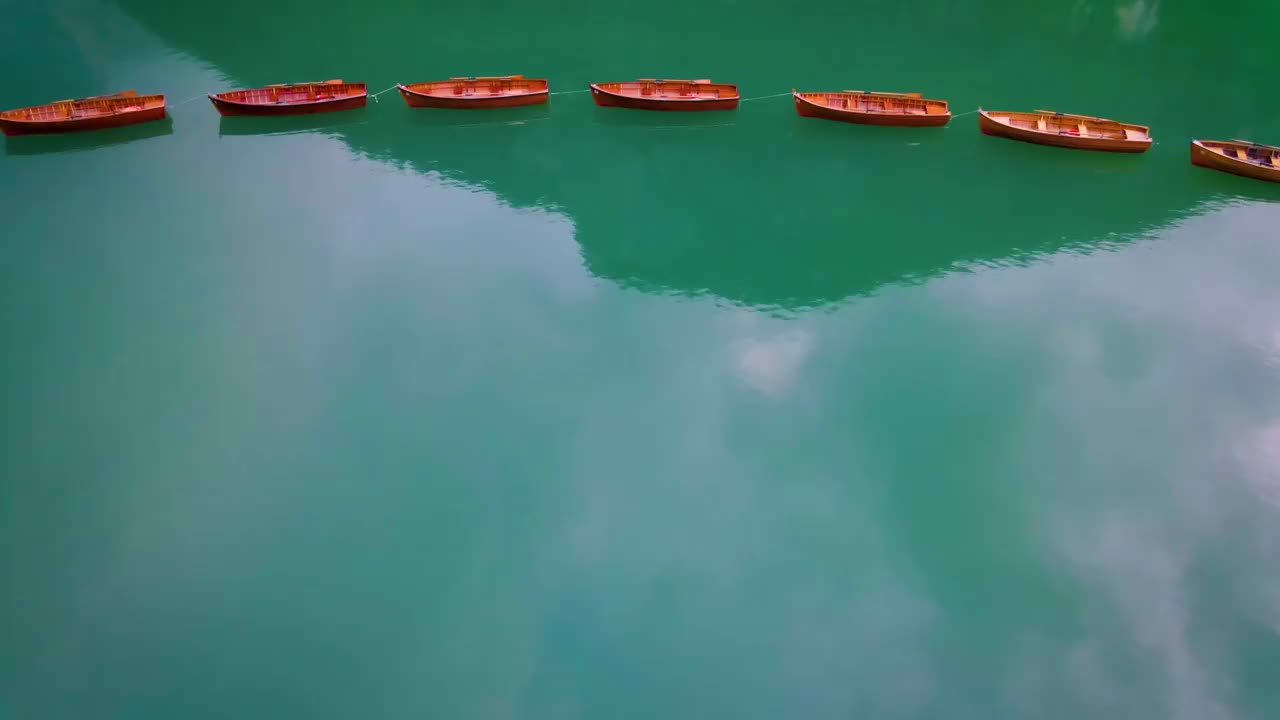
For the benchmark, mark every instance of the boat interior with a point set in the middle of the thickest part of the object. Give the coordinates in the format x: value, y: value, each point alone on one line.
x: 87, y: 108
x: 1263, y: 155
x: 892, y: 103
x: 480, y: 86
x: 295, y: 94
x: 675, y: 89
x: 1074, y: 125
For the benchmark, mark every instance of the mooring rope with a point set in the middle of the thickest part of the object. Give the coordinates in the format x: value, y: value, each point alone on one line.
x: 184, y: 102
x: 570, y: 92
x: 382, y: 91
x: 953, y: 117
x: 765, y: 97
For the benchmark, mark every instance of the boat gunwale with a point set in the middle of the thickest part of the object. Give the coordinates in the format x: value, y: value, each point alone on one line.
x: 221, y: 97
x: 1055, y: 113
x: 988, y: 114
x: 737, y: 95
x: 1245, y: 162
x: 402, y: 87
x: 865, y: 93
x: 1235, y: 143
x: 1052, y: 114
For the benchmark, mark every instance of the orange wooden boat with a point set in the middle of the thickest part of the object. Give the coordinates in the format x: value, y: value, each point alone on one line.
x: 476, y: 92
x: 292, y: 99
x: 93, y: 113
x: 1238, y: 157
x: 873, y: 108
x: 1080, y: 132
x: 681, y: 95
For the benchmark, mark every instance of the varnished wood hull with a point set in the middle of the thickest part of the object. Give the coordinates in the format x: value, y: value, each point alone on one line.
x: 101, y: 122
x: 1202, y: 156
x: 604, y: 98
x: 229, y: 109
x: 421, y: 100
x: 809, y: 109
x: 999, y: 129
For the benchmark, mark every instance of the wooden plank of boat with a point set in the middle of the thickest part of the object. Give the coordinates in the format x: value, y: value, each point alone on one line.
x: 673, y: 95
x: 872, y: 108
x: 1238, y: 157
x: 292, y: 99
x: 1079, y: 132
x: 472, y: 93
x: 91, y: 113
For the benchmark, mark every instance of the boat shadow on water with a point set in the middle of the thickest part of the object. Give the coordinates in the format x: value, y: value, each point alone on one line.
x: 658, y: 120
x: 811, y: 130
x: 1229, y: 188
x: 1024, y: 158
x: 321, y: 123
x: 83, y: 141
x: 441, y: 117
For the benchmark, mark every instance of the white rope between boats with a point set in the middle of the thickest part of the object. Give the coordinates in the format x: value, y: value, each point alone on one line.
x: 765, y: 97
x: 375, y: 95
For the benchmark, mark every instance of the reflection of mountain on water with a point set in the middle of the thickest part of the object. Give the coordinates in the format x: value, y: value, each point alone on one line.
x: 812, y: 218
x: 757, y: 206
x: 822, y: 212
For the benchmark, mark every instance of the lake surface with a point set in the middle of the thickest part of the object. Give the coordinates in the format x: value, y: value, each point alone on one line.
x: 567, y: 412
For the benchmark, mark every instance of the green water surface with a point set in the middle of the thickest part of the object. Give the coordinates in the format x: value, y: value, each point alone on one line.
x: 570, y: 412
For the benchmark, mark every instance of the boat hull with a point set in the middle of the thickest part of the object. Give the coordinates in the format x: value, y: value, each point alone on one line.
x: 101, y: 122
x: 1202, y: 156
x: 804, y: 108
x: 229, y: 108
x: 603, y: 98
x: 422, y: 100
x: 994, y: 128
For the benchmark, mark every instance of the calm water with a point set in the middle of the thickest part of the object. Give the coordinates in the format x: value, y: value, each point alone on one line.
x: 575, y: 413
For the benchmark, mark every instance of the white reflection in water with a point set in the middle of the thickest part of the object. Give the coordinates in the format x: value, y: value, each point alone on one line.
x: 1137, y: 18
x: 1164, y: 424
x: 1144, y: 569
x: 1262, y: 458
x: 771, y: 363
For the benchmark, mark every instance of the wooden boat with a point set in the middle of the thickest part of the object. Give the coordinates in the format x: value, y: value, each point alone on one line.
x: 476, y: 92
x: 873, y: 108
x: 1080, y: 132
x: 92, y: 113
x: 1238, y: 157
x: 681, y: 95
x: 292, y: 99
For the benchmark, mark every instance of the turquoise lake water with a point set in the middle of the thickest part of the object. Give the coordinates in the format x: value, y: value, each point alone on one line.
x: 570, y: 412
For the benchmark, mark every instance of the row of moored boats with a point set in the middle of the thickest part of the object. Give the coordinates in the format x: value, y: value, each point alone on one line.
x: 1044, y: 127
